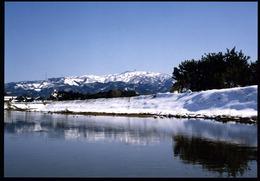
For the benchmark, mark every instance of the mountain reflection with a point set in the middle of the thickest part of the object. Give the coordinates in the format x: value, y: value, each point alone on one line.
x: 132, y: 130
x: 218, y: 156
x: 89, y: 132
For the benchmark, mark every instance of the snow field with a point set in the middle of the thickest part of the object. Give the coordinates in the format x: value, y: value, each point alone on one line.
x: 238, y: 102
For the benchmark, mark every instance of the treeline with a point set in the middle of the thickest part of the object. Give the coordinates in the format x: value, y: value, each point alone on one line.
x: 62, y: 95
x: 216, y: 71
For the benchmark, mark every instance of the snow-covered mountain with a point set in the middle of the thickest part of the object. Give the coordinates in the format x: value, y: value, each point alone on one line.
x: 140, y: 81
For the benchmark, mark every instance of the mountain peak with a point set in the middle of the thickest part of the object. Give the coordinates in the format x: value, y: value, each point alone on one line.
x: 142, y: 81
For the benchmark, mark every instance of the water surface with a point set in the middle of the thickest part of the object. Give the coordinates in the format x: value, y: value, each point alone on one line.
x: 56, y: 145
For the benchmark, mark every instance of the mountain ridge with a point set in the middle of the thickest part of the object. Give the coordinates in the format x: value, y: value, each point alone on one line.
x: 143, y: 82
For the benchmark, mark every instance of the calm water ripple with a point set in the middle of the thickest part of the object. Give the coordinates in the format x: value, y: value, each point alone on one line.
x: 55, y: 145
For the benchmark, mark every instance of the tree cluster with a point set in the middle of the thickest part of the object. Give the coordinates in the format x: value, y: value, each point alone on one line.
x: 62, y: 95
x: 215, y: 71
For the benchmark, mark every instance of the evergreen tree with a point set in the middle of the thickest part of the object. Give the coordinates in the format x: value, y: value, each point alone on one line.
x: 238, y: 71
x: 254, y: 70
x: 211, y: 72
x: 215, y: 71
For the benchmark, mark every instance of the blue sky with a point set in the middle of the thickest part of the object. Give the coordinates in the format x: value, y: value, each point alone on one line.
x: 69, y: 39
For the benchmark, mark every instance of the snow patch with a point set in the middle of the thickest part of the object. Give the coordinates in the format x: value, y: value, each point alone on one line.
x: 241, y: 102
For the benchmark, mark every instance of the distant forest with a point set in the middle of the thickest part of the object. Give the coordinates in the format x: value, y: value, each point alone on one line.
x: 215, y: 71
x: 63, y: 95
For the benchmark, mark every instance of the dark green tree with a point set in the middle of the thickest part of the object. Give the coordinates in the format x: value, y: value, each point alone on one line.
x: 211, y: 69
x: 215, y: 71
x: 254, y: 69
x: 186, y: 75
x: 237, y: 72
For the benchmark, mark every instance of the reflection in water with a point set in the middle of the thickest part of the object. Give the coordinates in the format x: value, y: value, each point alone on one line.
x: 130, y: 130
x: 225, y: 148
x: 215, y: 156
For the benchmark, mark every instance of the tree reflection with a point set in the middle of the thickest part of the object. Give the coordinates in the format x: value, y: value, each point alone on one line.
x: 214, y: 156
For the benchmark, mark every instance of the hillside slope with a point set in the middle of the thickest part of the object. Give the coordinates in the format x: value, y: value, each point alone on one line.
x: 233, y: 102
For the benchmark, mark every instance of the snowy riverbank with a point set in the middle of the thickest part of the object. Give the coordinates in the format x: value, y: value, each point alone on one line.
x: 240, y: 102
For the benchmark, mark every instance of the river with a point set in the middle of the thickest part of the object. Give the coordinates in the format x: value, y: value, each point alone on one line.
x: 58, y: 145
